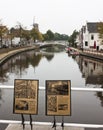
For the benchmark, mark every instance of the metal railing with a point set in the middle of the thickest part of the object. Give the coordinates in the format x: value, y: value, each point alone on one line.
x: 72, y: 88
x: 58, y: 124
x: 50, y: 124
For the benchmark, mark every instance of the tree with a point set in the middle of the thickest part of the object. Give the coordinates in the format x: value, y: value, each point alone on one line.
x: 58, y: 36
x: 72, y: 39
x: 46, y: 37
x: 50, y: 35
x: 19, y: 31
x: 100, y: 30
x: 3, y: 32
x: 40, y: 37
x: 12, y: 34
x: 36, y: 35
x: 26, y: 34
x: 54, y: 36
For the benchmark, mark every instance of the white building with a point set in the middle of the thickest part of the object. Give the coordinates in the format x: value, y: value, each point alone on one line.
x: 89, y: 36
x: 16, y: 40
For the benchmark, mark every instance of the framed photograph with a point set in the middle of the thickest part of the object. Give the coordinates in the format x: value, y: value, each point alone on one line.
x: 58, y: 97
x: 25, y: 96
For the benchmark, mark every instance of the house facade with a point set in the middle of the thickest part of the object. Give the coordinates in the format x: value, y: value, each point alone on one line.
x: 89, y: 36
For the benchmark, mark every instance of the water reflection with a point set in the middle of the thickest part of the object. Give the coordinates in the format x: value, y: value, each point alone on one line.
x: 100, y: 96
x: 91, y: 70
x: 54, y: 48
x: 1, y: 96
x: 19, y: 63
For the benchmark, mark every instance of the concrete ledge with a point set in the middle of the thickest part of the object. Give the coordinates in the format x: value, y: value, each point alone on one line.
x: 5, y: 56
x: 92, y: 55
x: 40, y: 127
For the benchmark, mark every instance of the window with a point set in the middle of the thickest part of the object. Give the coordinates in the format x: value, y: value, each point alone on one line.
x: 86, y: 43
x: 92, y: 37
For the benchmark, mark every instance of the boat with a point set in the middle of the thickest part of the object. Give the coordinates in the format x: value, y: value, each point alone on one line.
x: 71, y: 51
x: 68, y: 49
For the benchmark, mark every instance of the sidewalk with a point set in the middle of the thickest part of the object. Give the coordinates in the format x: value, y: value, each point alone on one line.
x: 93, y: 54
x: 5, y: 54
x: 40, y: 127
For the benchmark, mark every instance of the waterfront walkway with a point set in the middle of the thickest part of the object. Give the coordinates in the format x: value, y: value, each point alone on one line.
x: 40, y: 127
x: 6, y: 53
x: 91, y: 53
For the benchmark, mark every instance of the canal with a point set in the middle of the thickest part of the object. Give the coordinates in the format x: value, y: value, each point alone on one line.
x: 55, y: 64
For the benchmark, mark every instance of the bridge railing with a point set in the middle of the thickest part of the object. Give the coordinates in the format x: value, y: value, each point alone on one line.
x: 58, y: 124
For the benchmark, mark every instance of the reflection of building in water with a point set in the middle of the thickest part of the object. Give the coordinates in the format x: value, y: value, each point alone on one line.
x: 100, y: 96
x: 92, y: 70
x: 14, y: 64
x: 1, y: 96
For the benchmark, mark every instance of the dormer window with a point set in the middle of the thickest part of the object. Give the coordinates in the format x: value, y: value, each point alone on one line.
x: 92, y: 37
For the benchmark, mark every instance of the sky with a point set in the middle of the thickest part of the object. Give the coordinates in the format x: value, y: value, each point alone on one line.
x: 62, y: 16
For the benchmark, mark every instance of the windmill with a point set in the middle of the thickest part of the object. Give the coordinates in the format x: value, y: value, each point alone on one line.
x: 33, y: 22
x: 35, y: 25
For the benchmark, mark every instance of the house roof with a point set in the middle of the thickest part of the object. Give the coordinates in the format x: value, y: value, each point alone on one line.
x: 92, y: 27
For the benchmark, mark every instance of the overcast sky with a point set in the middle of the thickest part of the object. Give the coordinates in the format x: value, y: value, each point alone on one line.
x: 62, y: 16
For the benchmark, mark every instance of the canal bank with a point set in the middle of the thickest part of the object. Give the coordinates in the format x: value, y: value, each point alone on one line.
x: 92, y: 54
x: 7, y: 53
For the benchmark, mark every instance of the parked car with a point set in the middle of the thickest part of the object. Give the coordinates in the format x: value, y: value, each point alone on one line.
x: 5, y: 46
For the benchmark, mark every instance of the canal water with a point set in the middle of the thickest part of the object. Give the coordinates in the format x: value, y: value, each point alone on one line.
x: 55, y: 64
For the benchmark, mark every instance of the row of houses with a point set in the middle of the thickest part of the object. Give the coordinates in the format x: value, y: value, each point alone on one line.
x: 89, y: 37
x: 15, y: 36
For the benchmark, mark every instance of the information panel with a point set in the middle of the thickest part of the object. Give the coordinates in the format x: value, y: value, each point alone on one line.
x: 25, y: 96
x: 58, y: 97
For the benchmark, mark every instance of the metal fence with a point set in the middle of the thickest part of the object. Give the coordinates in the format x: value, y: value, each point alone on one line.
x: 58, y: 124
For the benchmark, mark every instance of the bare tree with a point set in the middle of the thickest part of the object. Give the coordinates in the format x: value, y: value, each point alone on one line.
x: 3, y: 32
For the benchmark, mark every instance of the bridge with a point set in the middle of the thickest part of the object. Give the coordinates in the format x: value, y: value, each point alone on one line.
x: 53, y: 43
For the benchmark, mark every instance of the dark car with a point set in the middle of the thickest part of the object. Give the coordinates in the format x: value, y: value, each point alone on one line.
x: 4, y: 46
